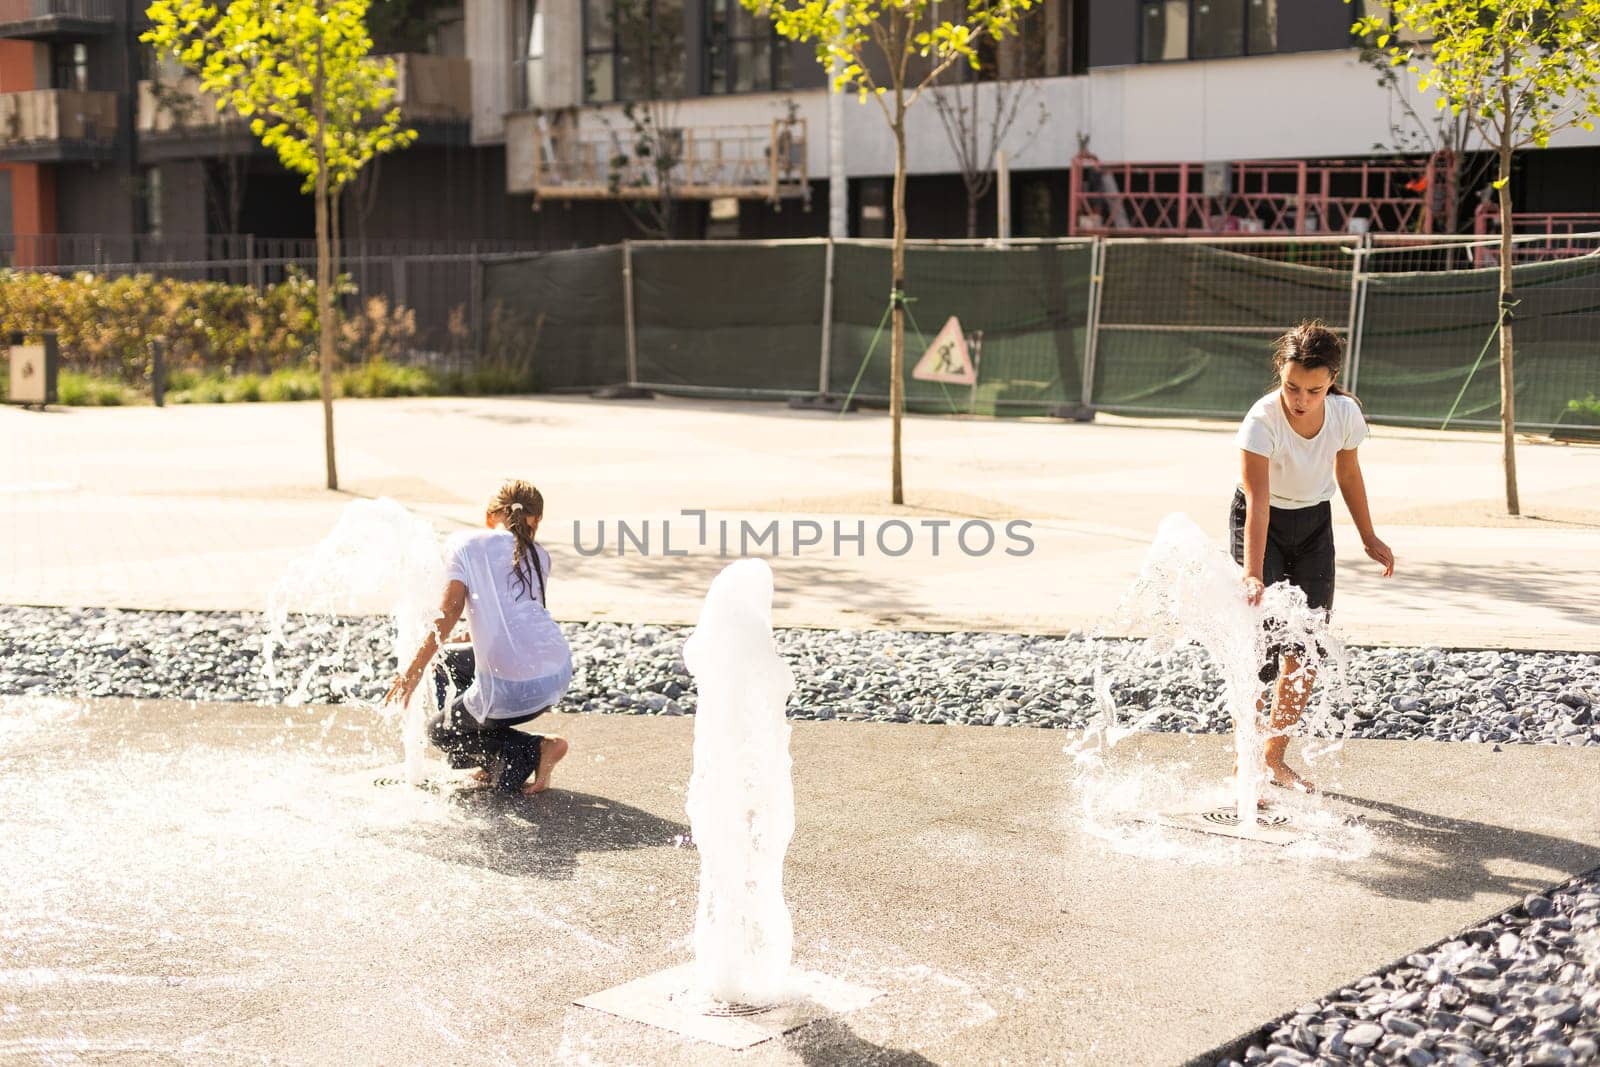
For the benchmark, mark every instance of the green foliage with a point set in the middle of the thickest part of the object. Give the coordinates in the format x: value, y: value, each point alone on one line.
x: 297, y: 70
x: 378, y: 378
x: 1520, y: 70
x: 291, y: 383
x: 82, y: 390
x: 105, y: 325
x: 847, y: 32
x: 1588, y: 408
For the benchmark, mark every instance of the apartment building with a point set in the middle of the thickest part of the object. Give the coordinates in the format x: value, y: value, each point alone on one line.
x: 102, y: 142
x: 541, y: 121
x: 1262, y: 106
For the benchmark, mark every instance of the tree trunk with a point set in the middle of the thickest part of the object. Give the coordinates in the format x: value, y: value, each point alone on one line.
x: 972, y: 213
x: 1508, y: 415
x: 324, y: 264
x: 897, y: 336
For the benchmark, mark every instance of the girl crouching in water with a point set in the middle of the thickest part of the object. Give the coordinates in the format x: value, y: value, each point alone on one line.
x: 1297, y: 444
x: 518, y: 663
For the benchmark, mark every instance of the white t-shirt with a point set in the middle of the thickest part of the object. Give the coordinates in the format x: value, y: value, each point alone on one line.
x: 1301, y: 469
x: 522, y: 659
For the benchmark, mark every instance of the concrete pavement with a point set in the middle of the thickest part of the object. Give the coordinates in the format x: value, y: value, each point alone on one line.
x: 209, y: 883
x: 204, y: 507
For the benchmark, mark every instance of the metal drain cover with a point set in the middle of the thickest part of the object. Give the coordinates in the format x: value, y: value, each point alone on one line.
x: 669, y: 1000
x: 1271, y: 827
x: 1230, y: 817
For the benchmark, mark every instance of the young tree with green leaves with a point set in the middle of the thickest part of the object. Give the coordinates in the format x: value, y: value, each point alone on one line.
x: 1521, y: 71
x: 890, y: 51
x: 300, y: 73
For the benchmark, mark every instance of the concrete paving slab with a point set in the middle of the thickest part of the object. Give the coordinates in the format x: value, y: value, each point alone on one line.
x: 209, y: 504
x: 201, y: 883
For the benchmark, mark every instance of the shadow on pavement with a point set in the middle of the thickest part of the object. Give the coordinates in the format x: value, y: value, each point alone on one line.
x: 827, y: 1042
x: 1446, y: 858
x: 540, y: 836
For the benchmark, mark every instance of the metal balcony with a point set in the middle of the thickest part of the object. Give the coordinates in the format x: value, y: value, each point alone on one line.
x: 57, y: 125
x: 756, y: 162
x: 178, y: 120
x: 43, y: 20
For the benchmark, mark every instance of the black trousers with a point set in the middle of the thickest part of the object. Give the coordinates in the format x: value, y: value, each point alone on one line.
x: 1299, y: 551
x: 510, y: 756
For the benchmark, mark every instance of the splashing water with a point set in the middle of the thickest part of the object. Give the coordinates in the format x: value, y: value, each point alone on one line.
x: 741, y: 796
x: 1189, y: 592
x: 380, y: 559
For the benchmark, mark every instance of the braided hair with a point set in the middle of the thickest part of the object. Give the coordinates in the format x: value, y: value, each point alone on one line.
x: 520, y: 507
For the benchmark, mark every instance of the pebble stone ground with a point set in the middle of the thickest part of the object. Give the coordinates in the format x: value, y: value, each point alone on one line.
x: 1521, y: 989
x: 996, y: 679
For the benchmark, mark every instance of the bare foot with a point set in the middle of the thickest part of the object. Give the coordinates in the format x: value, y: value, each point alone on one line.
x: 550, y: 752
x: 1285, y: 777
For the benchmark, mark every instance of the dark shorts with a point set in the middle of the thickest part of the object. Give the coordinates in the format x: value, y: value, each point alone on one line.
x: 510, y: 756
x: 1299, y: 551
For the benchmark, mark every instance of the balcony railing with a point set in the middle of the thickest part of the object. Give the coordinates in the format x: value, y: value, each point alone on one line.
x: 175, y: 109
x: 43, y: 18
x: 747, y: 162
x: 433, y: 88
x: 427, y: 89
x: 57, y: 120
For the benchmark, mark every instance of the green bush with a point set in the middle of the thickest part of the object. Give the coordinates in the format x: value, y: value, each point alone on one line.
x: 291, y: 383
x: 83, y: 390
x: 210, y: 389
x: 105, y: 326
x: 246, y: 388
x: 377, y: 378
x: 1586, y: 409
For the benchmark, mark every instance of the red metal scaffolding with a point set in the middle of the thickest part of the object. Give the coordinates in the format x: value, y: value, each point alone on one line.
x: 1258, y: 196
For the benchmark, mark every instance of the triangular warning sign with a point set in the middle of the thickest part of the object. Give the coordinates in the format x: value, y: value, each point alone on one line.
x: 947, y: 359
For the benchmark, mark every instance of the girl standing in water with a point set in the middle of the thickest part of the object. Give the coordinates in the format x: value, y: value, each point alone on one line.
x: 1297, y: 445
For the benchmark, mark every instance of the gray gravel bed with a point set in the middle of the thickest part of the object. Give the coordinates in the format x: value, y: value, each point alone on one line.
x: 1521, y: 990
x: 888, y: 676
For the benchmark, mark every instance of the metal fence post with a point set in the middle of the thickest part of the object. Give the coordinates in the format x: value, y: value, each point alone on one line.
x: 1358, y: 311
x: 158, y: 370
x: 397, y: 272
x: 1091, y: 345
x: 825, y: 366
x: 475, y: 310
x: 627, y: 314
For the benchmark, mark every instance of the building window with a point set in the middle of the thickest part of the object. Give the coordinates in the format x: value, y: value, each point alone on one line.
x: 529, y: 62
x: 633, y: 49
x: 7, y: 226
x: 1207, y: 29
x: 149, y: 203
x: 69, y: 67
x: 743, y: 52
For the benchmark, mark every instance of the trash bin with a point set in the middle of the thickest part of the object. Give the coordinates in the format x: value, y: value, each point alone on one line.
x: 33, y: 368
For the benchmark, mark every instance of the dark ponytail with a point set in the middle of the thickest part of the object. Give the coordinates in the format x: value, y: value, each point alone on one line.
x: 520, y: 507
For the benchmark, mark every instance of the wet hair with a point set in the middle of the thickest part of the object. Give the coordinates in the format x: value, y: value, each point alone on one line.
x: 519, y: 505
x: 1312, y: 345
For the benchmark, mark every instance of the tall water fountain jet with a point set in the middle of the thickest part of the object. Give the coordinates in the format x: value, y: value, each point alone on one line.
x: 741, y: 795
x: 380, y: 559
x: 1189, y: 590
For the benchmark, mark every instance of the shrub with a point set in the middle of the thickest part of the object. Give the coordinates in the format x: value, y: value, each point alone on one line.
x: 379, y: 378
x: 246, y: 388
x: 291, y: 383
x: 83, y: 390
x: 1587, y: 408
